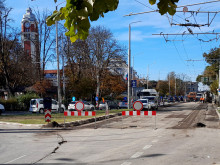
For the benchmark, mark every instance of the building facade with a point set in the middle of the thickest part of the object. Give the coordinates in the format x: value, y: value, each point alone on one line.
x: 192, y: 87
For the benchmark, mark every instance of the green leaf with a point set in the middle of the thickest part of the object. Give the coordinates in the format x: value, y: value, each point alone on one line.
x: 152, y: 2
x: 165, y: 6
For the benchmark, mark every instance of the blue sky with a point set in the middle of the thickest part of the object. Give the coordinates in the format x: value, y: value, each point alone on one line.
x: 149, y: 50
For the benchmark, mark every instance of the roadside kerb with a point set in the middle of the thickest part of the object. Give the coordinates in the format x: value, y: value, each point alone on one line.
x: 217, y: 111
x: 79, y: 113
x: 90, y: 120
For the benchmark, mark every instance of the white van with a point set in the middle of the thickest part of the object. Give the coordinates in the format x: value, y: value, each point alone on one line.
x: 36, y: 105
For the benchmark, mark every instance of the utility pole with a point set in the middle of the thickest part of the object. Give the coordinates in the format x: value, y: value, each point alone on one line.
x: 133, y: 79
x: 169, y: 83
x: 64, y: 83
x: 58, y: 68
x: 147, y: 75
x: 175, y: 86
x: 219, y: 81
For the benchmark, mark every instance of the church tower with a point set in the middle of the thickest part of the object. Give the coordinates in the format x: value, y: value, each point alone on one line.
x: 29, y: 36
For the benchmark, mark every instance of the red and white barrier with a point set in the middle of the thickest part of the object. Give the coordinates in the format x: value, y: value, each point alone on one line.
x: 47, y: 115
x: 138, y: 113
x: 79, y: 113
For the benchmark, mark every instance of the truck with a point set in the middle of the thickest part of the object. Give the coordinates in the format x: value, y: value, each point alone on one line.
x: 147, y: 92
x: 198, y: 96
x: 152, y: 95
x: 191, y: 96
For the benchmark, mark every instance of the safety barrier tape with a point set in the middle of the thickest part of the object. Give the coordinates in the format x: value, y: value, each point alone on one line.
x: 79, y: 113
x: 138, y: 113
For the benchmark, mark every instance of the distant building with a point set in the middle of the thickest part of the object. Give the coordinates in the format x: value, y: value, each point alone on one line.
x: 118, y: 67
x: 51, y: 75
x: 192, y: 87
x: 30, y: 36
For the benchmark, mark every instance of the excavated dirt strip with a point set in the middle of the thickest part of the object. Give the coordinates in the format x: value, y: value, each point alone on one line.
x: 195, y: 116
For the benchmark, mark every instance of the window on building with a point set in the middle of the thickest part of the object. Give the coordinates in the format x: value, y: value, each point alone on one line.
x: 27, y: 30
x: 27, y: 36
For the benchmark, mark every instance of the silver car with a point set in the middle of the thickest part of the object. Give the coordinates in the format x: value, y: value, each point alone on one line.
x: 87, y: 106
x: 146, y: 104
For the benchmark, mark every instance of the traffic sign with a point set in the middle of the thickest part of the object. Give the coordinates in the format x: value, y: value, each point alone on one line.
x: 133, y: 83
x: 138, y: 106
x: 79, y: 105
x: 47, y: 115
x: 73, y: 98
x: 96, y: 98
x: 125, y: 99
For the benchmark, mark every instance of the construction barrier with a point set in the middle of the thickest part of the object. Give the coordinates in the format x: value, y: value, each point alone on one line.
x: 79, y: 113
x: 47, y: 115
x: 138, y: 113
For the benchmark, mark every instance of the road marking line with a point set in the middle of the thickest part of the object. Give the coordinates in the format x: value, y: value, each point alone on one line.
x: 136, y: 155
x: 126, y: 163
x: 155, y: 141
x: 15, y: 159
x: 147, y: 147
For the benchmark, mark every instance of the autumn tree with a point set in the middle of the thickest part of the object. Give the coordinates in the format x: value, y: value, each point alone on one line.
x: 92, y: 58
x: 42, y: 87
x: 104, y: 51
x: 211, y: 71
x: 46, y: 39
x: 15, y: 67
x: 163, y: 87
x: 112, y: 84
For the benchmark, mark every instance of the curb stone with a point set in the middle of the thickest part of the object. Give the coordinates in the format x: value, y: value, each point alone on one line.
x: 91, y: 120
x: 218, y: 108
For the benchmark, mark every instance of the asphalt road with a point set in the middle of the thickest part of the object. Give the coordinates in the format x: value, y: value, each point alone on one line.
x: 122, y: 141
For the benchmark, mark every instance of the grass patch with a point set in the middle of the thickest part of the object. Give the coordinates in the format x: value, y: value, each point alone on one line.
x: 58, y: 117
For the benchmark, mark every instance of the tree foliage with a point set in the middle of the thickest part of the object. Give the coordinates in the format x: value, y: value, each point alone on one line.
x: 15, y: 67
x: 42, y: 87
x: 79, y: 13
x: 89, y: 62
x: 211, y: 71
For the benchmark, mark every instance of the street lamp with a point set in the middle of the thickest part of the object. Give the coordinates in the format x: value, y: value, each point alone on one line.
x: 129, y: 65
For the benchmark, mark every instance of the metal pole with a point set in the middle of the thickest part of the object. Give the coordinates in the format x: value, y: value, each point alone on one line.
x: 147, y: 75
x: 169, y: 83
x: 129, y: 66
x: 133, y: 79
x: 64, y: 84
x: 218, y: 82
x: 58, y: 68
x: 175, y: 86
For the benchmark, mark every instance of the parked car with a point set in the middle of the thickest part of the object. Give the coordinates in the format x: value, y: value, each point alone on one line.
x: 153, y: 100
x: 36, y: 105
x: 111, y: 105
x: 87, y: 106
x: 146, y: 104
x: 123, y: 104
x: 2, y: 109
x: 170, y: 99
x: 71, y: 106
